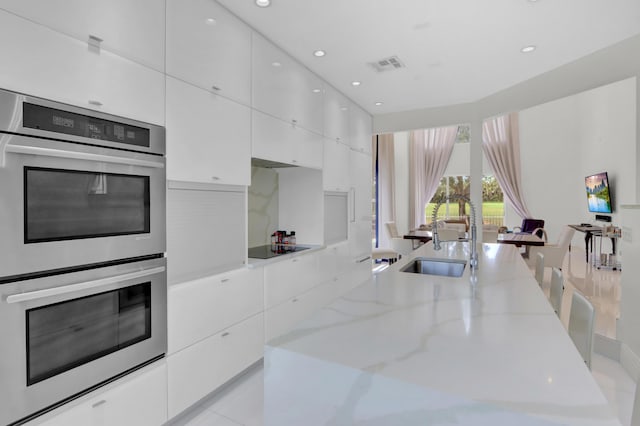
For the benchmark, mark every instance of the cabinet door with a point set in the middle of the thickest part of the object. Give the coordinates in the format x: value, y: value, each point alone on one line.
x: 336, y: 115
x: 276, y: 140
x: 209, y: 47
x: 288, y: 278
x: 141, y: 401
x: 206, y: 233
x: 200, y: 369
x: 361, y: 129
x: 282, y: 87
x: 199, y: 309
x: 335, y: 170
x: 208, y: 136
x: 360, y: 227
x: 133, y: 29
x: 61, y: 68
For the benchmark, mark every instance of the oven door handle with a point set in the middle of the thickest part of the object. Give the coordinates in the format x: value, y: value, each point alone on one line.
x: 39, y: 294
x: 61, y: 153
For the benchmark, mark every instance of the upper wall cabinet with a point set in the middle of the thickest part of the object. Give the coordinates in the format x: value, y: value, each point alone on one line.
x: 336, y: 115
x: 285, y: 89
x: 360, y: 129
x: 208, y: 136
x: 132, y: 29
x: 209, y: 47
x: 48, y: 64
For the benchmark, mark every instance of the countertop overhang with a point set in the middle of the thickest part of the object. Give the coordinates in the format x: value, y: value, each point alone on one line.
x: 404, y: 347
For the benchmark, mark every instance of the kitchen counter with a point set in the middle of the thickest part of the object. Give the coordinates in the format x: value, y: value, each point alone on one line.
x: 412, y: 349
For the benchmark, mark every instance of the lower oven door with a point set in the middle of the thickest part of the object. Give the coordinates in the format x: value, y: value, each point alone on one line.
x: 65, y: 334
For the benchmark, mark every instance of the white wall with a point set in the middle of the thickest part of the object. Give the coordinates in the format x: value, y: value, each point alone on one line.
x: 563, y: 141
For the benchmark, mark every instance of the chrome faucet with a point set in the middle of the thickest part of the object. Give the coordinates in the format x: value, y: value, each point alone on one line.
x: 473, y: 260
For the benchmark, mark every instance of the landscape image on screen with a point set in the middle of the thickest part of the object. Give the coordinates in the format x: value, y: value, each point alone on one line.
x: 598, y: 196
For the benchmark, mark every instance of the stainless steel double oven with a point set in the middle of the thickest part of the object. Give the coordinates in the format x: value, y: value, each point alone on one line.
x: 82, y: 241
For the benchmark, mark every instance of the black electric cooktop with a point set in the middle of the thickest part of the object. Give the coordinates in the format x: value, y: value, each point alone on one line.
x: 269, y: 251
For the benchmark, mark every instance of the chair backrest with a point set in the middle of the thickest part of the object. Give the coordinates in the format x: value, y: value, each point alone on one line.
x: 448, y: 234
x: 581, y: 319
x: 529, y: 225
x: 489, y: 236
x: 565, y: 237
x: 392, y: 229
x: 556, y: 290
x: 539, y: 268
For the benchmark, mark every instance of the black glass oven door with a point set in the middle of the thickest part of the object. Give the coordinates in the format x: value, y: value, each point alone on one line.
x: 72, y: 204
x: 68, y: 334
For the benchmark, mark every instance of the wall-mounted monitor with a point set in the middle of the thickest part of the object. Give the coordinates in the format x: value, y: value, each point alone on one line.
x: 598, y: 193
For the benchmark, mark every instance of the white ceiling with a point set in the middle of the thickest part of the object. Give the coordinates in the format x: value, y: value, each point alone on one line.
x: 455, y: 51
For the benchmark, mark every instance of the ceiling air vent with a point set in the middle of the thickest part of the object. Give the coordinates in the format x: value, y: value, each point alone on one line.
x: 387, y: 64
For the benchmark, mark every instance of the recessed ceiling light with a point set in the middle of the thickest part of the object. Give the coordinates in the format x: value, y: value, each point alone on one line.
x: 316, y: 90
x: 319, y: 53
x: 263, y: 3
x: 276, y: 64
x: 528, y: 49
x: 378, y: 103
x: 210, y: 21
x: 355, y: 83
x: 343, y: 108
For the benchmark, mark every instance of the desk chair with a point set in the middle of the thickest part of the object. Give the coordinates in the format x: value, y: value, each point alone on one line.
x: 581, y: 321
x: 554, y: 253
x: 398, y: 244
x: 556, y: 291
x: 530, y: 226
x: 540, y: 269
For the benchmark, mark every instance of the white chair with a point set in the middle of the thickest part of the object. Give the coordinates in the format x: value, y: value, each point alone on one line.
x: 398, y: 244
x: 539, y: 274
x: 554, y: 253
x: 489, y: 233
x: 556, y: 290
x: 448, y: 234
x: 581, y: 320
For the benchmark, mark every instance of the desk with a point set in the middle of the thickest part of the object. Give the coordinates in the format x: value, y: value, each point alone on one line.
x: 419, y: 236
x: 520, y: 240
x: 589, y: 233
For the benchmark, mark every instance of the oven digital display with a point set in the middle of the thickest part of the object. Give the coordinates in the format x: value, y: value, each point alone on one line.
x: 69, y: 123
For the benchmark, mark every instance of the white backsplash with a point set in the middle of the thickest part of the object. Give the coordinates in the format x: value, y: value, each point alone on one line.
x: 263, y: 205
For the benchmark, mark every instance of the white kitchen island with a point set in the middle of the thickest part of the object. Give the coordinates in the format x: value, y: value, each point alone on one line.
x: 413, y: 349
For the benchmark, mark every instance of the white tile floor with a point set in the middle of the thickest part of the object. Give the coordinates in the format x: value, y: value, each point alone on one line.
x: 241, y: 403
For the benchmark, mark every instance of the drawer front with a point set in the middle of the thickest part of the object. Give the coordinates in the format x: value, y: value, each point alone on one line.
x: 200, y: 369
x: 289, y: 278
x: 201, y: 308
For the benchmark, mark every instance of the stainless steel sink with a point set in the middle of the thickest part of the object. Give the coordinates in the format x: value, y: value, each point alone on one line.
x: 443, y: 267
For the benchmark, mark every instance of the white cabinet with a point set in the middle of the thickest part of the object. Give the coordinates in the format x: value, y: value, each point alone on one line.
x: 276, y: 140
x: 200, y: 369
x: 360, y: 226
x: 360, y: 129
x: 209, y: 47
x: 206, y: 231
x: 138, y: 399
x: 336, y: 115
x: 335, y: 170
x: 54, y: 66
x: 200, y: 308
x: 132, y: 29
x: 334, y: 260
x: 208, y: 136
x: 285, y: 279
x: 284, y: 88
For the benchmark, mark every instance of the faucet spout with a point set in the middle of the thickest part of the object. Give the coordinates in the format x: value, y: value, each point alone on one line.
x: 473, y: 259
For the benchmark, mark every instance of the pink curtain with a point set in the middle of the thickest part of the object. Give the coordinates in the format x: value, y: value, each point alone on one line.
x: 501, y: 146
x: 430, y: 150
x: 386, y: 186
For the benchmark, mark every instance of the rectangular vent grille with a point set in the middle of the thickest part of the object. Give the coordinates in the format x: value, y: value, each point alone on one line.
x: 387, y: 64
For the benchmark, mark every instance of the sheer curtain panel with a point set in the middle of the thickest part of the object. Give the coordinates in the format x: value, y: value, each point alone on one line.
x: 430, y: 150
x: 386, y: 187
x: 501, y: 146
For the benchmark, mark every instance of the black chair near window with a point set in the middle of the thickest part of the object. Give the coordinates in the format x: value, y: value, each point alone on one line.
x: 531, y: 226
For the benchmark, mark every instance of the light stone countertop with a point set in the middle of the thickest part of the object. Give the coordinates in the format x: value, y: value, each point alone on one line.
x: 412, y: 349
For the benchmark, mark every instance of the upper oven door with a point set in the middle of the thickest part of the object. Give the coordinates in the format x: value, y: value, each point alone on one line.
x: 67, y: 204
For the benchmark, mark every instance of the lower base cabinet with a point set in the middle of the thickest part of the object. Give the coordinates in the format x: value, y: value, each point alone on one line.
x: 139, y: 399
x: 199, y: 369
